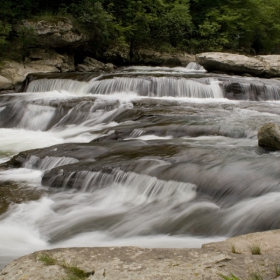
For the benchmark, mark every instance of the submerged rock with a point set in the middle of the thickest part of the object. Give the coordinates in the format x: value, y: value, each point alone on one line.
x: 269, y: 136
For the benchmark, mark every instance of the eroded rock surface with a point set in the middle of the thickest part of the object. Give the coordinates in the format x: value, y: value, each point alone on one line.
x: 138, y: 263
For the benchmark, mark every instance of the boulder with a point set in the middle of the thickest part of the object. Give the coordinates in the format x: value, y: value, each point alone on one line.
x: 56, y: 33
x: 65, y: 62
x: 231, y: 63
x: 92, y: 65
x: 15, y: 72
x: 269, y: 136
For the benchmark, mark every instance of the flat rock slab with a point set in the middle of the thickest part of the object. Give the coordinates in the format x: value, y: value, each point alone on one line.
x: 265, y: 65
x: 138, y: 263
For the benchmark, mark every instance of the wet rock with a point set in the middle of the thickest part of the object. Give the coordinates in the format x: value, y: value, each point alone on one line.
x: 137, y: 263
x: 65, y: 62
x: 56, y: 33
x: 231, y: 63
x: 269, y: 136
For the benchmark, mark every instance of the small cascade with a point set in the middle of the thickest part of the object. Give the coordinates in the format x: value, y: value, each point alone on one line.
x: 271, y: 92
x: 256, y: 90
x: 22, y: 113
x: 44, y: 85
x: 195, y: 66
x: 47, y: 162
x: 157, y: 87
x: 129, y: 186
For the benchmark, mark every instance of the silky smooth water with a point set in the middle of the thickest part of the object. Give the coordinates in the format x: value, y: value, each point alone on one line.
x: 151, y: 157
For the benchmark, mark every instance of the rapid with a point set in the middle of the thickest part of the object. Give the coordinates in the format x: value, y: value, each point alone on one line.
x: 144, y: 156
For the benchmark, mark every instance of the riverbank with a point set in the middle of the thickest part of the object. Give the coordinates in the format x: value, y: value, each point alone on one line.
x: 235, y: 255
x: 13, y: 74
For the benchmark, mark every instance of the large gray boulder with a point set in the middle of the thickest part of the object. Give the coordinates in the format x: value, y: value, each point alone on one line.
x: 231, y: 63
x: 13, y: 73
x: 264, y: 65
x: 55, y: 33
x: 269, y: 136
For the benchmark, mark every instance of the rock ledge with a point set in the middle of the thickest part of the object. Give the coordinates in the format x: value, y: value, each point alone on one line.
x: 137, y: 263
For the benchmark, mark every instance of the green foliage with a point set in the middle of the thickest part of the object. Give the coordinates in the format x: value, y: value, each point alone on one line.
x: 231, y: 277
x: 246, y: 26
x: 256, y: 276
x: 255, y: 250
x: 47, y: 259
x: 72, y: 271
x: 5, y: 29
x: 233, y: 250
x: 277, y: 269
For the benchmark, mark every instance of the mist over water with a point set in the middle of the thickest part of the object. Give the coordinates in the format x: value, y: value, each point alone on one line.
x: 147, y: 156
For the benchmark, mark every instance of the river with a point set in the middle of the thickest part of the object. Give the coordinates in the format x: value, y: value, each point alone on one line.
x: 144, y: 156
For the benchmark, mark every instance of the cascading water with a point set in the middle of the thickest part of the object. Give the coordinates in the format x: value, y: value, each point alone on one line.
x: 147, y: 156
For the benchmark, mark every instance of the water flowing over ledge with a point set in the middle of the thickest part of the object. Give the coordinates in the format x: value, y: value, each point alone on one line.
x: 150, y: 157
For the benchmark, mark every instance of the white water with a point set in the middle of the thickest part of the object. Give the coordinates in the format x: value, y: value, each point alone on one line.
x: 156, y: 206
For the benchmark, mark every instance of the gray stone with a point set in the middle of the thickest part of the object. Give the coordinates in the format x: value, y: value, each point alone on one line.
x: 263, y: 65
x: 17, y: 72
x: 272, y: 63
x: 109, y: 67
x: 5, y: 83
x: 152, y: 264
x: 269, y: 136
x: 90, y: 65
x: 231, y: 63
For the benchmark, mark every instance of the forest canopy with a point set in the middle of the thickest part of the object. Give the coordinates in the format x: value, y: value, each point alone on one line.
x: 244, y: 26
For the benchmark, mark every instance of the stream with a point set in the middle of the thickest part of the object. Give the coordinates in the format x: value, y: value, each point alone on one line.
x: 144, y: 156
